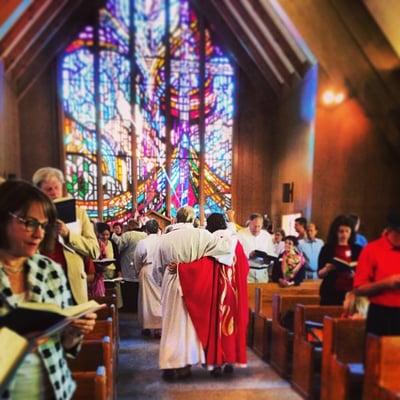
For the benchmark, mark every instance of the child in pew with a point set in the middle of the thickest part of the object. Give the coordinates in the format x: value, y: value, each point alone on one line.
x: 27, y: 221
x: 355, y: 307
x: 289, y: 270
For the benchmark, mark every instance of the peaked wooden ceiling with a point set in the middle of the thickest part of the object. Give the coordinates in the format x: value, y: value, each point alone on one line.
x: 259, y: 35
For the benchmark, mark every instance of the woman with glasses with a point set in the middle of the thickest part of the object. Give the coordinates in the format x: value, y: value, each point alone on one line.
x: 78, y: 239
x: 27, y: 218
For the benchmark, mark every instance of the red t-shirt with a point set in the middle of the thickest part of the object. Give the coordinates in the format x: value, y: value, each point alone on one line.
x: 379, y: 260
x: 57, y: 255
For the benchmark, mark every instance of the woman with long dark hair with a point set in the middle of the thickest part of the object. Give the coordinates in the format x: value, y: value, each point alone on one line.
x: 340, y: 245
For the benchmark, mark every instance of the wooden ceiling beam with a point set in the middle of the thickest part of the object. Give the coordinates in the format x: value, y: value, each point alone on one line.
x: 231, y: 44
x: 22, y: 25
x: 279, y: 61
x: 249, y: 47
x: 280, y: 38
x: 52, y: 42
x: 7, y: 8
x: 30, y: 39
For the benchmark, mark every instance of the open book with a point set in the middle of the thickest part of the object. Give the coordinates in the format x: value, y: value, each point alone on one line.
x: 37, y: 320
x: 13, y: 350
x: 343, y: 265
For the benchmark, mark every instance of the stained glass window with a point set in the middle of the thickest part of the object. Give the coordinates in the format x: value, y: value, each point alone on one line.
x: 141, y: 91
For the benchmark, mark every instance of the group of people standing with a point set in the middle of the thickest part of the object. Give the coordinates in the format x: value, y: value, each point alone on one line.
x: 192, y: 280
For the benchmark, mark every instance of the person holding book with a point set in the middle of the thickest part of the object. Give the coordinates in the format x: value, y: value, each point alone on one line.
x: 378, y: 278
x: 311, y: 246
x: 27, y: 218
x: 76, y: 240
x: 109, y: 251
x: 337, y: 260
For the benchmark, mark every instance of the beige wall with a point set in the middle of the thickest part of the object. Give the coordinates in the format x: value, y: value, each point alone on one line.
x: 387, y: 15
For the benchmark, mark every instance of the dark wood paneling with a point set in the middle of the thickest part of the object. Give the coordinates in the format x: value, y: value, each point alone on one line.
x: 252, y: 152
x: 39, y: 129
x: 9, y: 135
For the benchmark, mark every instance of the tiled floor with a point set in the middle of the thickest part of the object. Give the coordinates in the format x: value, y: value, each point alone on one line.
x: 139, y: 376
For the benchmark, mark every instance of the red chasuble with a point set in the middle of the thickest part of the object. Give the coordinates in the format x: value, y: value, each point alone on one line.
x: 215, y: 296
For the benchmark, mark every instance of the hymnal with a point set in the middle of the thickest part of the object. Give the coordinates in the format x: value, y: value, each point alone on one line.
x: 37, y: 320
x: 66, y: 209
x: 344, y: 266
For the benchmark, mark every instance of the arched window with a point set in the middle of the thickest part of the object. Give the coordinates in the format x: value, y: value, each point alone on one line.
x: 148, y: 108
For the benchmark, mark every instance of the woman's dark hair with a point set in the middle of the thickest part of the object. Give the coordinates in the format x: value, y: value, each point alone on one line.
x: 340, y: 220
x: 118, y: 224
x: 101, y: 227
x: 16, y: 197
x: 215, y: 222
x: 293, y: 239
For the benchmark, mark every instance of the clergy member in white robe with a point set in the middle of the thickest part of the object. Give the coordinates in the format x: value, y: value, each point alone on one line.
x: 180, y: 346
x: 149, y: 301
x: 255, y: 238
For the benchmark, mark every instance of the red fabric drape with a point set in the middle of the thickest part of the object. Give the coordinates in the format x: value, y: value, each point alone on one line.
x: 215, y: 296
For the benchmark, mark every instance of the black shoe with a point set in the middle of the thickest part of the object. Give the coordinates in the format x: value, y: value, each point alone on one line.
x: 216, y: 372
x: 183, y: 373
x: 168, y: 375
x: 228, y: 369
x: 146, y: 332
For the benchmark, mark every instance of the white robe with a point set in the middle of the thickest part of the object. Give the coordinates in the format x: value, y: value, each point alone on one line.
x: 149, y: 299
x: 180, y: 345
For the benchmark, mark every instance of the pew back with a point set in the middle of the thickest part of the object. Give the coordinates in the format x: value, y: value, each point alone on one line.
x: 344, y: 344
x: 382, y: 365
x: 266, y: 293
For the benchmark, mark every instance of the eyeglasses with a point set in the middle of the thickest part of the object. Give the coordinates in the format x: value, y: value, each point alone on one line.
x: 31, y: 225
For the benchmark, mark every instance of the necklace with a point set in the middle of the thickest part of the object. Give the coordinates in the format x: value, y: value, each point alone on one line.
x: 9, y: 270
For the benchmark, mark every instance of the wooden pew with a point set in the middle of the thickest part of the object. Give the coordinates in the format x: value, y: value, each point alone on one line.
x: 342, y: 358
x: 307, y: 354
x: 95, y: 353
x: 262, y: 317
x: 382, y: 368
x: 91, y: 385
x: 282, y: 336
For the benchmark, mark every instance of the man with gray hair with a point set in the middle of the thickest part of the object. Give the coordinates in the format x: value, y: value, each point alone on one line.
x: 180, y: 346
x: 149, y: 300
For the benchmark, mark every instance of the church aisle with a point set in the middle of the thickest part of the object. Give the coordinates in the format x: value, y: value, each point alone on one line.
x: 139, y: 377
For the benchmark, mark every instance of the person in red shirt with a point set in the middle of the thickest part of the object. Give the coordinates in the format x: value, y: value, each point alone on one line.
x: 378, y: 277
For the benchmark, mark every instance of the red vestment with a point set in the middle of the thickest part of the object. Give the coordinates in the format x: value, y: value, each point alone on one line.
x: 215, y: 296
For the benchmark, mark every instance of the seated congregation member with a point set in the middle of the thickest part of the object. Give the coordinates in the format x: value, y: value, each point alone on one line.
x: 311, y: 246
x: 230, y: 276
x: 378, y: 277
x: 361, y: 240
x: 109, y: 250
x: 278, y: 242
x: 78, y: 238
x: 337, y: 278
x: 255, y: 239
x: 127, y: 243
x: 27, y: 220
x: 180, y: 346
x: 117, y: 228
x: 289, y: 269
x: 300, y: 226
x: 149, y: 299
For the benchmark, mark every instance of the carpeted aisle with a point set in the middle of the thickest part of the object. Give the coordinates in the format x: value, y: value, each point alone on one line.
x: 140, y: 378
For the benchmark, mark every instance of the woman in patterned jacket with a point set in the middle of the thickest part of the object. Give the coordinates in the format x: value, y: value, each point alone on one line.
x: 26, y: 219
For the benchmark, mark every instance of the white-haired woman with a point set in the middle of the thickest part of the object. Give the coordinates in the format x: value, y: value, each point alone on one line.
x: 79, y: 238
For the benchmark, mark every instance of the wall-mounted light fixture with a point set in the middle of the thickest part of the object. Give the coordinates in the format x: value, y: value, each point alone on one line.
x: 333, y: 97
